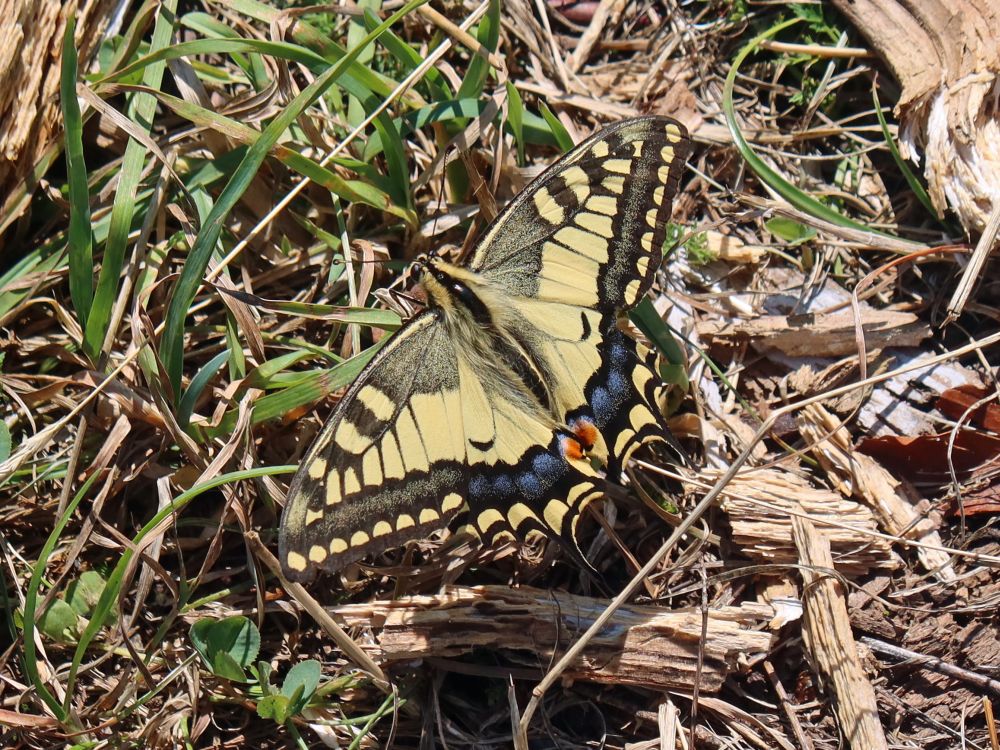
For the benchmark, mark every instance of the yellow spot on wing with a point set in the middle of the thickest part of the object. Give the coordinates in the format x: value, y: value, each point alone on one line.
x: 667, y: 154
x: 640, y: 416
x: 632, y: 292
x: 371, y: 467
x: 404, y: 521
x: 596, y: 223
x: 317, y: 468
x: 312, y: 516
x: 349, y: 439
x: 615, y: 184
x: 618, y: 166
x: 337, y: 546
x: 351, y: 483
x: 295, y: 561
x: 392, y: 462
x: 410, y: 444
x: 554, y: 513
x: 602, y: 204
x: 578, y: 182
x: 333, y: 495
x: 600, y: 149
x: 585, y: 243
x: 487, y: 518
x: 431, y: 418
x: 429, y: 514
x: 317, y: 553
x: 381, y: 529
x: 519, y: 513
x: 451, y: 502
x: 622, y: 441
x: 548, y: 209
x: 358, y: 538
x: 379, y: 403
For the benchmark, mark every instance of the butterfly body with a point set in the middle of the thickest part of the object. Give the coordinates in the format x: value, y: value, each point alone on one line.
x: 486, y: 409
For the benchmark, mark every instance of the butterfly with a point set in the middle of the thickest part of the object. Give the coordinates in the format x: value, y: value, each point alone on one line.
x: 488, y: 410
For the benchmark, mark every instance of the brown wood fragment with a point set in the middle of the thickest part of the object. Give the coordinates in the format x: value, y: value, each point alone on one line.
x: 819, y: 335
x: 855, y: 474
x: 646, y: 646
x: 829, y: 642
x: 759, y: 505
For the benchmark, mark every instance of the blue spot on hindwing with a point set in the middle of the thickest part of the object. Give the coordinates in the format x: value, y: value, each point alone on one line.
x: 547, y: 467
x: 479, y: 486
x: 503, y: 486
x: 602, y: 404
x: 530, y: 485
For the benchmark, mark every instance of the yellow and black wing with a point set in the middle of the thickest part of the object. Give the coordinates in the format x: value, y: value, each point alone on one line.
x: 422, y: 439
x: 579, y: 245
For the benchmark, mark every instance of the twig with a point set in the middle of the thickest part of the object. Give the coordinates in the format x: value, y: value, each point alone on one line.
x: 987, y: 241
x: 932, y: 662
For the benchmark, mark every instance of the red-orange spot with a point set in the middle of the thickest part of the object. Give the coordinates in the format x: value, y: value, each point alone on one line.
x: 586, y: 432
x: 571, y: 449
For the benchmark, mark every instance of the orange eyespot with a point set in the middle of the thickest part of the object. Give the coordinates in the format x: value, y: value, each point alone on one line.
x: 585, y: 430
x: 571, y: 448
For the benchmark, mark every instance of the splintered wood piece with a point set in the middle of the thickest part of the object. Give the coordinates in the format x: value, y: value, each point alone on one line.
x: 646, y: 646
x: 819, y: 335
x: 857, y: 475
x: 829, y: 642
x: 759, y: 505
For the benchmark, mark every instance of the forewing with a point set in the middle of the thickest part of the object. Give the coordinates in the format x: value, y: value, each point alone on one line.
x: 589, y: 231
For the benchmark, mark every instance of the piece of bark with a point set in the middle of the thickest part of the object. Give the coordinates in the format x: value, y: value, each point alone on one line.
x: 759, y: 505
x: 946, y: 55
x: 646, y: 646
x: 732, y: 249
x: 829, y: 642
x: 860, y: 476
x: 819, y: 335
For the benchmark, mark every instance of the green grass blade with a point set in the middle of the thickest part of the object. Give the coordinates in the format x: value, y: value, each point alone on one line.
x: 488, y: 34
x: 515, y: 114
x: 197, y: 261
x: 185, y: 408
x: 80, y: 238
x: 559, y: 132
x: 31, y: 598
x: 143, y: 108
x: 772, y: 178
x: 911, y: 179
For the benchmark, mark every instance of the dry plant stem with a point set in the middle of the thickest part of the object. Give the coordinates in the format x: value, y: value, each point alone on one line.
x: 706, y: 502
x: 814, y: 50
x: 793, y: 719
x: 347, y: 645
x: 987, y: 242
x: 827, y: 637
x: 606, y: 9
x: 913, y: 658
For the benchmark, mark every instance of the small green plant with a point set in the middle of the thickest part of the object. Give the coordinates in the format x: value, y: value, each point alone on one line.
x: 68, y: 615
x: 297, y: 689
x: 227, y: 646
x: 698, y: 252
